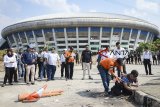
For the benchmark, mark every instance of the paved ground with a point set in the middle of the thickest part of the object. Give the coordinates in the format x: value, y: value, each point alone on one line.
x: 77, y: 92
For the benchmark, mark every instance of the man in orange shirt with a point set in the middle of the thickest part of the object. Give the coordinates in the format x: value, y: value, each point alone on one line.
x: 70, y: 56
x: 104, y: 67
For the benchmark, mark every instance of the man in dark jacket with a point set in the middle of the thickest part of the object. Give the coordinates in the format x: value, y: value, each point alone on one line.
x: 86, y: 59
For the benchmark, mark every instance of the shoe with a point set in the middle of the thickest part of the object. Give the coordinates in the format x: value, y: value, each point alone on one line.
x: 33, y: 83
x: 90, y: 78
x: 10, y: 83
x: 3, y: 85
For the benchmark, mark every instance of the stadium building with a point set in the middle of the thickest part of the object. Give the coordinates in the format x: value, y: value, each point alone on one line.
x: 78, y: 29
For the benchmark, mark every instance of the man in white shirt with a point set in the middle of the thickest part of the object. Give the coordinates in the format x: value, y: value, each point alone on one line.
x: 63, y: 63
x: 52, y: 60
x: 120, y: 54
x: 147, y: 59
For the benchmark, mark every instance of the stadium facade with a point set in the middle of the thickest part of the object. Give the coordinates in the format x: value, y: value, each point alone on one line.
x: 98, y: 30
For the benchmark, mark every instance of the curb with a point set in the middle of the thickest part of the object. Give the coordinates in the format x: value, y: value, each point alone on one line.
x: 145, y: 100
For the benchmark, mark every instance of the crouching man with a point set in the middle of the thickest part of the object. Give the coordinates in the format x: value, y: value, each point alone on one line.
x: 127, y: 85
x: 104, y: 68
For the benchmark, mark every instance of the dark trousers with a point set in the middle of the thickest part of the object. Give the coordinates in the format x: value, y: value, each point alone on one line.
x: 105, y: 77
x: 8, y: 74
x: 42, y: 70
x: 15, y: 75
x: 147, y: 65
x: 69, y: 70
x: 63, y: 67
x: 51, y: 69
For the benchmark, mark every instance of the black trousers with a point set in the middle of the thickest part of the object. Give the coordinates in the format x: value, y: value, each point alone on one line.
x: 147, y: 65
x: 15, y: 75
x: 63, y: 67
x: 69, y: 70
x: 8, y: 74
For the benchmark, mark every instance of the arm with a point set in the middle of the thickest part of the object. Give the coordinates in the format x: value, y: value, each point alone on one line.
x: 128, y: 87
x: 5, y: 60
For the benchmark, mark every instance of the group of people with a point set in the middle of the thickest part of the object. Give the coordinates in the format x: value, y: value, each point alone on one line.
x: 135, y: 57
x: 29, y: 61
x: 26, y: 64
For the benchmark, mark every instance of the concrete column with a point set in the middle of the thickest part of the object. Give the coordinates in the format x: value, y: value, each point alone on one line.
x: 138, y: 34
x: 147, y: 37
x: 26, y: 38
x: 120, y: 39
x: 89, y: 35
x: 77, y: 37
x: 44, y: 38
x: 35, y: 40
x: 54, y: 37
x: 15, y: 41
x: 130, y: 37
x: 111, y: 37
x: 20, y: 40
x: 9, y: 42
x: 100, y: 37
x: 66, y: 39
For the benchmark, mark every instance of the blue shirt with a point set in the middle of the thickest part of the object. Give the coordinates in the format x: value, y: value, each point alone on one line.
x: 28, y: 58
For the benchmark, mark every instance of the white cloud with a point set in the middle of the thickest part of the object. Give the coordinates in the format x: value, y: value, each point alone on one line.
x: 92, y: 10
x: 145, y: 9
x: 148, y: 5
x: 58, y: 5
x: 8, y: 7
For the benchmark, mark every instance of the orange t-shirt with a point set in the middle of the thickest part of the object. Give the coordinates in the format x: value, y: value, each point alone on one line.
x: 71, y: 58
x: 107, y: 63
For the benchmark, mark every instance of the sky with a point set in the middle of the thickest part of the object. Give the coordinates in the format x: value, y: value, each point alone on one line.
x: 12, y: 11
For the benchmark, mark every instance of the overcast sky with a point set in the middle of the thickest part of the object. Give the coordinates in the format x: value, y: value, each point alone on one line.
x: 12, y: 11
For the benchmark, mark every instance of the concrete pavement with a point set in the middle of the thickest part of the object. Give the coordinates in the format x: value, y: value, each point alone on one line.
x: 77, y: 92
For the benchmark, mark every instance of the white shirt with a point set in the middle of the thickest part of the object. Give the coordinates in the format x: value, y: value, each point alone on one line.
x: 45, y: 54
x: 63, y: 59
x: 16, y: 56
x: 147, y: 55
x: 52, y: 58
x: 8, y: 60
x: 107, y: 54
x: 119, y: 53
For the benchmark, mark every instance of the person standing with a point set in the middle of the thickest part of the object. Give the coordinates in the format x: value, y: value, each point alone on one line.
x: 20, y: 64
x: 77, y: 57
x: 86, y: 59
x: 52, y: 59
x: 63, y: 63
x: 120, y: 55
x: 40, y: 62
x: 9, y: 62
x: 29, y: 62
x: 69, y: 55
x: 147, y: 59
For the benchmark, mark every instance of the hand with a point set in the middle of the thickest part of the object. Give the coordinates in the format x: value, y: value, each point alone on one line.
x: 25, y: 65
x: 33, y: 60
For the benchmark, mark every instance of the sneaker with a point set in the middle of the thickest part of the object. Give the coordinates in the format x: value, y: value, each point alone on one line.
x: 90, y: 78
x: 33, y: 83
x: 3, y: 85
